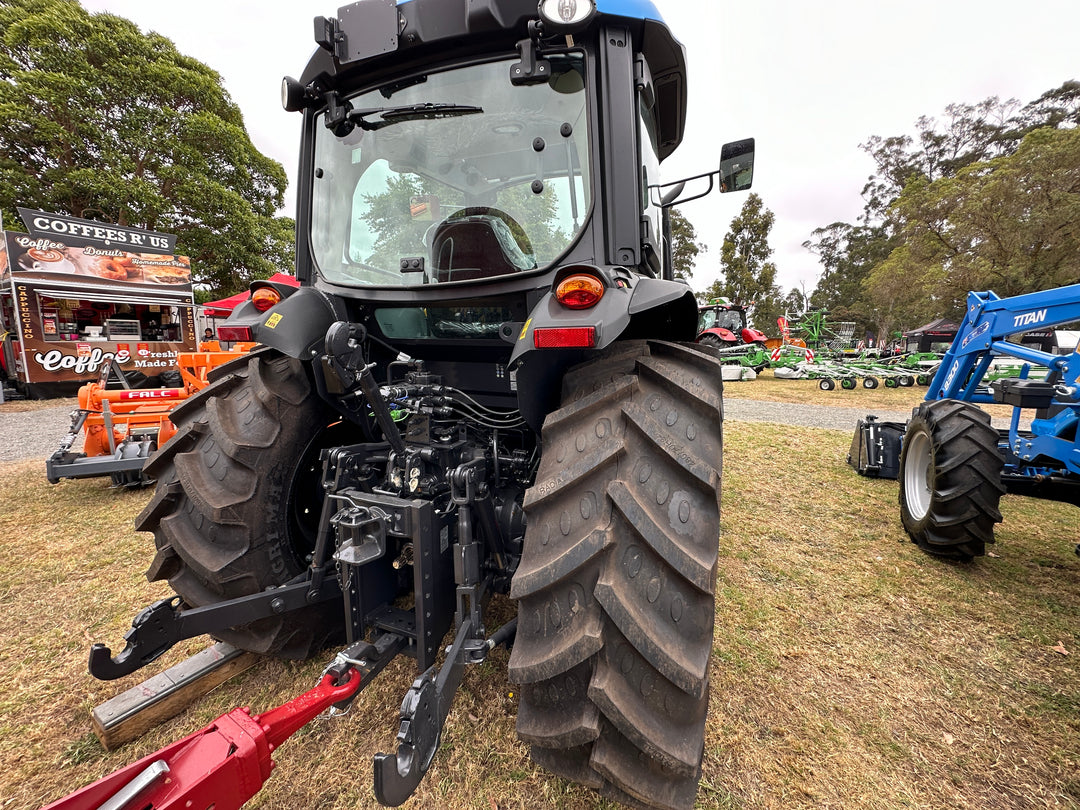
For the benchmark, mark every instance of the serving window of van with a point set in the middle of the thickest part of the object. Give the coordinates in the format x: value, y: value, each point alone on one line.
x: 70, y: 319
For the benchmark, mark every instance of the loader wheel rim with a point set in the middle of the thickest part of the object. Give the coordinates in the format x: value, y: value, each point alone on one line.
x: 918, y: 488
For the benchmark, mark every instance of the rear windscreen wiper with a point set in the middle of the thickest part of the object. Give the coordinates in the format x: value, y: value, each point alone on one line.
x: 410, y: 112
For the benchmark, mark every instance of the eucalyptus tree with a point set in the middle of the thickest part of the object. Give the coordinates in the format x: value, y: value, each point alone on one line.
x: 685, y: 245
x: 749, y: 276
x: 907, y: 260
x: 105, y: 122
x: 1010, y: 224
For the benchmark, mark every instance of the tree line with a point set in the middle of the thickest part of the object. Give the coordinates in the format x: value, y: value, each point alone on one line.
x: 104, y: 122
x: 985, y: 198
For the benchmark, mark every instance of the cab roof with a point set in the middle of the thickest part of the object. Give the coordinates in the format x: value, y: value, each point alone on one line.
x: 406, y: 34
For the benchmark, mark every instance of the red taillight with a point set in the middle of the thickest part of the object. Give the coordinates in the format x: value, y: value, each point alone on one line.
x: 234, y: 333
x: 264, y: 298
x: 574, y: 337
x: 579, y: 291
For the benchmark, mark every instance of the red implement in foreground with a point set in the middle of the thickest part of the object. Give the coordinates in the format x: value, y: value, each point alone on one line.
x: 221, y: 766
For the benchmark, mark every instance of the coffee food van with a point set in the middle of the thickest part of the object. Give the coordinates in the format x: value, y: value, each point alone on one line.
x: 71, y: 304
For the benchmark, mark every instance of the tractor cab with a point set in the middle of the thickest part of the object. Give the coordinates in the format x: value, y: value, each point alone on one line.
x: 722, y: 323
x: 480, y: 189
x: 448, y: 141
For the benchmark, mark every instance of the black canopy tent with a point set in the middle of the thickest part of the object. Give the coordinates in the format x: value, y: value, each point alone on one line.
x: 931, y: 337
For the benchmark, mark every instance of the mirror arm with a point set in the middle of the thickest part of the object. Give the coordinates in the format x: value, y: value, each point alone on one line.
x: 672, y: 197
x: 337, y: 114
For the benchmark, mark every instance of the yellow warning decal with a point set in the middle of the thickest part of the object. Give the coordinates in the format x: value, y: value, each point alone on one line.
x: 524, y: 329
x: 273, y: 320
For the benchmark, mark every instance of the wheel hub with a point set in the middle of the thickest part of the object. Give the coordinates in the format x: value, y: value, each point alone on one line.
x: 917, y: 473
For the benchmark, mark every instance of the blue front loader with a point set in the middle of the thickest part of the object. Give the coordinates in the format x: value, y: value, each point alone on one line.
x: 953, y: 466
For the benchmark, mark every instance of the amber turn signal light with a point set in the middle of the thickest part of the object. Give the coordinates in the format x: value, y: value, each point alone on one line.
x: 264, y: 298
x: 579, y: 291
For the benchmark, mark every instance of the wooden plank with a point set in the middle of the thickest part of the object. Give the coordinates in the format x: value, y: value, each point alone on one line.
x: 134, y: 712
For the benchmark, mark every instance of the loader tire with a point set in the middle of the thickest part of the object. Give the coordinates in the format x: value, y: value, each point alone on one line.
x: 616, y: 586
x: 950, y: 479
x: 237, y: 500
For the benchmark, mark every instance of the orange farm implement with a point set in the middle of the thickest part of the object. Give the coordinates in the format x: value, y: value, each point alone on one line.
x: 123, y: 426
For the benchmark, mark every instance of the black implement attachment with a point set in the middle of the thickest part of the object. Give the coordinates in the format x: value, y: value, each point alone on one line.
x: 424, y: 710
x: 157, y: 628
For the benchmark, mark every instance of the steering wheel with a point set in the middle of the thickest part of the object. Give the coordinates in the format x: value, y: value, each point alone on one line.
x: 520, y: 236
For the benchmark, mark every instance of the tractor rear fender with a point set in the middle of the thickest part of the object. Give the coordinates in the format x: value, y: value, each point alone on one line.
x: 632, y: 308
x: 295, y: 327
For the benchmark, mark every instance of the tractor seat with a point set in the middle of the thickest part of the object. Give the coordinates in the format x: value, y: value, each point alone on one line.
x: 477, y: 246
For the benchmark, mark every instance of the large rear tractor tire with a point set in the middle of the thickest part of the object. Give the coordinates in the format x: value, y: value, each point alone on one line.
x: 238, y: 498
x: 950, y: 479
x: 617, y: 581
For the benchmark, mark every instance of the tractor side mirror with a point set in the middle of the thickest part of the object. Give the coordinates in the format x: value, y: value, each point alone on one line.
x: 737, y: 165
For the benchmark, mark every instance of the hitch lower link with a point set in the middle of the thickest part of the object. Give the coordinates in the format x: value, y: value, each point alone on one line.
x: 157, y: 628
x: 424, y: 711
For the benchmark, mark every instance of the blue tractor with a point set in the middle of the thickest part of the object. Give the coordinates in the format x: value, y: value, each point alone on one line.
x: 954, y: 466
x: 485, y: 387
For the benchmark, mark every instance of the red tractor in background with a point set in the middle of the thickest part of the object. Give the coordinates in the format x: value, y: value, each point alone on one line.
x: 723, y: 325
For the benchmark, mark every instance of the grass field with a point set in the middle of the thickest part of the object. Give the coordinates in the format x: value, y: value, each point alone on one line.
x: 849, y: 669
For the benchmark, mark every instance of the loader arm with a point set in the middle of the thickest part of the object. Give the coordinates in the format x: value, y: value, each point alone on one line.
x: 988, y: 321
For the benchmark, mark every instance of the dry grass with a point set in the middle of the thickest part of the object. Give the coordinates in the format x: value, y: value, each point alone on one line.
x: 855, y: 671
x: 850, y: 670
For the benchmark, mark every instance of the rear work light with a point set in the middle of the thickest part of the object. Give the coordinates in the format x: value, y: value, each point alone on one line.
x: 264, y: 298
x: 579, y: 291
x: 230, y: 334
x: 573, y: 337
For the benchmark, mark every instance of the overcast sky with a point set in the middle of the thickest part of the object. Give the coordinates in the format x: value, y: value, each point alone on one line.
x: 810, y: 80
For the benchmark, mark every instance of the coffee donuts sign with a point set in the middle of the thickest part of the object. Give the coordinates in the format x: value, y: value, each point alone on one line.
x: 83, y: 232
x: 37, y: 255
